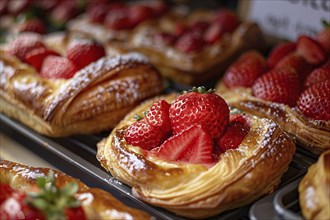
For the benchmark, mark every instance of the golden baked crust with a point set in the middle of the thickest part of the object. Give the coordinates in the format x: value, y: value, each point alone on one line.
x: 313, y: 135
x: 314, y: 189
x: 94, y: 99
x: 96, y: 203
x: 193, y: 190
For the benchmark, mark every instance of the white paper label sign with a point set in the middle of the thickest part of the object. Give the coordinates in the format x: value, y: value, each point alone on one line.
x: 290, y: 18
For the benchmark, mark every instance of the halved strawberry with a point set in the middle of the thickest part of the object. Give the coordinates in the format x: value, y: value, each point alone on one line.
x: 97, y: 12
x: 227, y: 20
x: 233, y: 136
x: 199, y: 107
x: 314, y: 102
x: 311, y: 50
x: 138, y: 13
x: 279, y: 52
x: 17, y: 7
x: 33, y: 25
x: 64, y: 11
x: 192, y: 145
x: 164, y: 38
x: 36, y: 56
x: 158, y: 116
x: 189, y: 42
x: 82, y: 52
x: 198, y: 28
x: 278, y: 85
x: 245, y: 70
x: 118, y: 19
x: 144, y: 135
x: 54, y: 67
x: 24, y: 43
x: 296, y: 62
x: 213, y: 33
x: 320, y: 74
x: 323, y: 37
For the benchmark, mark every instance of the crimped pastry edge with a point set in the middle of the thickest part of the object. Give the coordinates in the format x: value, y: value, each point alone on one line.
x: 192, y: 190
x: 96, y: 203
x: 314, y: 135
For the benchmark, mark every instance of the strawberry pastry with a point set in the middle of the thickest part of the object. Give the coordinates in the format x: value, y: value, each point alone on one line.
x: 40, y: 193
x: 291, y: 86
x: 189, y: 154
x: 61, y: 86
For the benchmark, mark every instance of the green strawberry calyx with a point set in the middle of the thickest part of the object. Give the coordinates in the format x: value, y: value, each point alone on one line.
x: 200, y: 89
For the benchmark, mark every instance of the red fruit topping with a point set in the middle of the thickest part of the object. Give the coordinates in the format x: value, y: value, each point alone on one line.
x: 36, y: 56
x: 213, y: 33
x: 15, y: 7
x: 192, y: 145
x: 64, y: 11
x: 314, y: 102
x: 144, y: 135
x: 83, y: 52
x: 3, y: 7
x: 279, y: 52
x: 189, y: 42
x: 55, y: 67
x: 233, y: 136
x: 296, y: 62
x: 158, y: 116
x: 75, y: 214
x: 245, y: 70
x: 165, y: 38
x: 158, y: 7
x: 320, y: 74
x: 97, y: 12
x: 323, y: 37
x: 24, y: 43
x: 311, y: 50
x: 199, y: 28
x: 206, y: 109
x: 118, y: 19
x: 278, y: 85
x: 34, y: 25
x: 138, y: 13
x: 227, y: 20
x: 180, y: 28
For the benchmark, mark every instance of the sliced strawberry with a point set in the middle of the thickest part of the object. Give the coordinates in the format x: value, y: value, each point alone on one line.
x: 192, y: 145
x: 54, y: 67
x: 144, y: 135
x: 227, y: 20
x: 158, y: 116
x: 159, y: 7
x: 199, y: 107
x: 213, y: 33
x: 296, y: 62
x: 199, y: 27
x: 34, y: 25
x: 17, y: 7
x: 64, y: 11
x: 97, y: 12
x: 118, y: 19
x: 138, y: 13
x: 279, y: 52
x: 323, y: 37
x: 320, y: 74
x: 3, y: 7
x: 165, y: 38
x: 36, y: 56
x: 189, y: 43
x: 24, y: 43
x: 233, y: 136
x: 278, y: 85
x: 314, y: 102
x: 245, y: 70
x: 82, y: 52
x: 311, y: 50
x: 180, y: 28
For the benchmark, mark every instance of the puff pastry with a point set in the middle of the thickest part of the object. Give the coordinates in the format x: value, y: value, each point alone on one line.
x: 96, y: 203
x: 193, y: 190
x: 313, y: 135
x: 314, y: 189
x: 95, y: 99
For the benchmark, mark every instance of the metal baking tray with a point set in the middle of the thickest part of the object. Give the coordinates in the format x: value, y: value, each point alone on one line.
x: 76, y: 156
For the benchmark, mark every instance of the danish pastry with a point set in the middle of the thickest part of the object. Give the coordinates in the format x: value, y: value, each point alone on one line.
x: 291, y: 87
x: 60, y: 96
x: 314, y: 189
x: 18, y: 180
x: 206, y: 163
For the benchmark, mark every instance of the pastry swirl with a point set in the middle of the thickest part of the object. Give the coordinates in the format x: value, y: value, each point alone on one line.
x: 313, y: 135
x: 96, y: 203
x: 93, y: 100
x: 192, y: 190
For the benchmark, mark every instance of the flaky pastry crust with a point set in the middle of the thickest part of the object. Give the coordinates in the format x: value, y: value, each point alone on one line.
x: 314, y: 189
x: 193, y: 190
x: 314, y: 135
x: 93, y: 100
x: 96, y: 203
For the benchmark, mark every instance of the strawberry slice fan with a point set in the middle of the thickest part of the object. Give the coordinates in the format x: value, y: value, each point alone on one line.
x: 291, y: 86
x: 191, y: 155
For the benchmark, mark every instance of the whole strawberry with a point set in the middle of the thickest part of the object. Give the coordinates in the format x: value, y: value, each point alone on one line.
x: 318, y: 75
x: 278, y: 85
x: 199, y: 107
x: 158, y: 116
x: 314, y: 102
x: 83, y: 52
x: 245, y: 70
x: 279, y: 52
x: 144, y: 135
